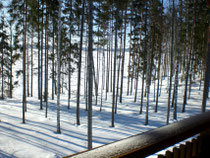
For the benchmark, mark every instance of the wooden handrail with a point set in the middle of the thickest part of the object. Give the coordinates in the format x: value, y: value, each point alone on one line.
x: 150, y: 142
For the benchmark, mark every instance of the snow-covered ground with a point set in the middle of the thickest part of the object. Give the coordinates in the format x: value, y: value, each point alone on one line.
x: 38, y: 137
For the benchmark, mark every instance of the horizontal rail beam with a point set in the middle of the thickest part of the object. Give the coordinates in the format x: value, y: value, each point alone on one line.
x: 150, y: 142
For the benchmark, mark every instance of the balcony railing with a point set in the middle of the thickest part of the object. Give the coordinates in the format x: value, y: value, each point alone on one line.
x: 150, y: 142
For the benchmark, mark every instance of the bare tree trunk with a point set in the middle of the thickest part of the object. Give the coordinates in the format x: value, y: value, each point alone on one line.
x: 103, y: 80
x: 107, y: 65
x: 27, y: 70
x: 59, y: 69
x: 69, y: 73
x: 115, y: 59
x: 79, y: 65
x: 118, y: 75
x: 132, y: 73
x: 24, y: 61
x: 140, y: 46
x: 98, y: 67
x: 46, y: 64
x: 38, y: 54
x: 154, y: 84
x: 2, y: 71
x: 11, y: 59
x: 144, y: 64
x: 32, y: 73
x: 90, y: 74
x: 111, y: 78
x: 148, y: 81
x: 41, y: 87
x: 177, y: 64
x: 189, y: 59
x: 53, y: 62
x: 129, y: 61
x: 207, y: 75
x: 123, y: 56
x: 171, y: 67
x: 159, y: 58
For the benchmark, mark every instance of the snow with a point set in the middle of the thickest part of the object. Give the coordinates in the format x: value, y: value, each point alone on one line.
x: 37, y: 138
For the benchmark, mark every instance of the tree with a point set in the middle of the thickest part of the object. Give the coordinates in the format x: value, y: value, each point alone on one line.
x: 123, y: 55
x: 190, y: 51
x: 159, y: 56
x: 80, y: 63
x: 5, y: 55
x: 90, y: 74
x: 115, y: 59
x: 59, y: 68
x: 41, y: 65
x: 207, y: 75
x: 144, y: 56
x: 24, y: 59
x: 171, y: 64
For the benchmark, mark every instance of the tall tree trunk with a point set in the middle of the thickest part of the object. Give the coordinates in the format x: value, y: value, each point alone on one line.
x: 159, y: 58
x: 118, y: 75
x: 144, y: 63
x: 86, y: 70
x: 189, y: 58
x: 11, y: 60
x: 24, y: 60
x: 32, y: 44
x: 45, y: 56
x: 79, y: 65
x: 148, y: 81
x: 111, y: 78
x: 2, y: 72
x: 132, y: 73
x: 177, y: 60
x: 107, y: 65
x: 53, y: 62
x: 41, y: 87
x: 139, y: 57
x: 59, y: 69
x: 69, y: 70
x: 98, y: 67
x: 27, y: 70
x: 103, y: 78
x: 115, y: 59
x: 46, y: 63
x: 207, y: 75
x: 90, y: 74
x: 123, y: 56
x: 129, y: 61
x: 154, y: 83
x: 171, y: 67
x: 39, y: 79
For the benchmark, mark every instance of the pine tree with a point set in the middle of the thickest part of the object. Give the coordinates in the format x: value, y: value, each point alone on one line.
x: 171, y: 64
x: 80, y: 63
x: 90, y: 68
x: 59, y: 68
x: 5, y: 55
x: 24, y: 59
x: 159, y: 56
x: 115, y: 59
x: 207, y: 74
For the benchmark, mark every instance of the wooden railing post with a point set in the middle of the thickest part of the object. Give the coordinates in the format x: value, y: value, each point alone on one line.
x: 176, y: 152
x: 205, y: 143
x: 188, y: 149
x: 194, y: 147
x: 182, y: 151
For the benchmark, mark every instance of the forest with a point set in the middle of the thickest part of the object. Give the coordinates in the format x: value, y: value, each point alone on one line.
x: 94, y: 53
